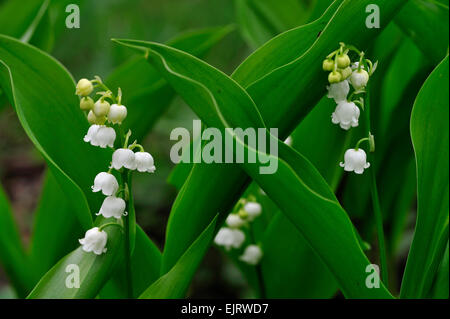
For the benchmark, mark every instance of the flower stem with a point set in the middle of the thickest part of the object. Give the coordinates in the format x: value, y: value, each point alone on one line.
x: 379, y: 225
x: 376, y: 203
x: 129, y: 278
x: 259, y: 274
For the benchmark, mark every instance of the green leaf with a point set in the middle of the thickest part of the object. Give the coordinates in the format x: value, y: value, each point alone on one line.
x: 55, y: 227
x: 12, y: 253
x: 20, y: 19
x: 431, y: 150
x: 31, y: 78
x: 294, y: 271
x: 428, y: 29
x: 93, y: 271
x: 145, y: 265
x: 42, y: 93
x: 147, y: 95
x: 441, y: 282
x: 260, y: 20
x: 175, y: 283
x: 288, y: 83
x: 220, y: 102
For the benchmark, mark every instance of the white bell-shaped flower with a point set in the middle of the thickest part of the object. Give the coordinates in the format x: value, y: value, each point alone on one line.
x: 105, y: 137
x: 117, y: 113
x: 355, y: 160
x: 338, y: 91
x: 229, y: 238
x: 92, y: 132
x: 113, y: 207
x: 123, y: 157
x: 105, y: 182
x: 100, y: 135
x: 253, y: 210
x: 144, y: 162
x: 94, y: 240
x: 234, y: 221
x: 359, y: 79
x: 346, y: 115
x: 252, y: 255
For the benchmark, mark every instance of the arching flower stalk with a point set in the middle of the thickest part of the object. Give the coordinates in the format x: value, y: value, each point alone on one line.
x: 106, y: 116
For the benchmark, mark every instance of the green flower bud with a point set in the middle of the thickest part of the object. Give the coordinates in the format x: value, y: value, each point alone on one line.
x: 334, y: 77
x: 93, y: 119
x: 84, y: 87
x: 343, y: 61
x: 328, y: 65
x: 242, y: 213
x: 86, y: 103
x: 101, y: 108
x: 345, y: 72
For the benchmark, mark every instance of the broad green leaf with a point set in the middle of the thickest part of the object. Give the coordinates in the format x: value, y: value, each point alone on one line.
x: 441, y: 282
x: 429, y: 134
x: 19, y: 19
x: 429, y: 27
x: 260, y: 20
x: 13, y: 258
x: 294, y: 271
x: 56, y: 227
x: 220, y: 102
x: 175, y: 283
x: 145, y: 265
x: 92, y: 271
x: 200, y: 201
x: 147, y: 95
x: 286, y: 47
x: 31, y: 78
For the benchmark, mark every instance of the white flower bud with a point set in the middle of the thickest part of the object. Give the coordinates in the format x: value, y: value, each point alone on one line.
x: 229, y: 238
x: 144, y: 162
x: 92, y: 119
x: 359, y: 79
x: 100, y: 135
x: 346, y: 115
x: 113, y: 207
x: 105, y: 182
x: 117, y: 113
x: 84, y: 87
x: 101, y: 108
x: 234, y: 221
x: 252, y: 255
x: 94, y: 240
x: 338, y: 91
x: 123, y: 157
x: 253, y: 210
x: 355, y: 160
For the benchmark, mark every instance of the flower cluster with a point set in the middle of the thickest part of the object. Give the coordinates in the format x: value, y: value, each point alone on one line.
x: 233, y: 236
x: 343, y: 74
x: 105, y: 120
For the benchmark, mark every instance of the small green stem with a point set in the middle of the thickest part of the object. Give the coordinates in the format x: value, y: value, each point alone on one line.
x: 129, y: 278
x: 376, y: 202
x: 109, y: 224
x: 360, y: 141
x: 259, y: 274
